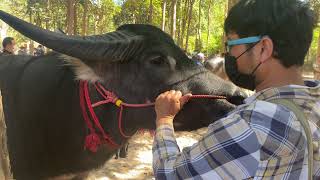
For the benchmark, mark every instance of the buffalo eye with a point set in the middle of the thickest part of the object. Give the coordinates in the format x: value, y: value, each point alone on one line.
x: 157, y: 60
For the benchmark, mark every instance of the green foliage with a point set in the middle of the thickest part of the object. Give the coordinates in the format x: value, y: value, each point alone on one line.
x: 106, y: 15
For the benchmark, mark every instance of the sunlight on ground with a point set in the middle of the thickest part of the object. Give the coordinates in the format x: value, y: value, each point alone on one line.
x: 145, y: 156
x: 138, y: 164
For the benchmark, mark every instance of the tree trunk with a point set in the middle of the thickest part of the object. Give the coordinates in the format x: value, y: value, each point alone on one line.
x: 95, y: 24
x: 75, y: 19
x: 84, y: 18
x: 173, y: 18
x: 31, y: 45
x: 88, y: 25
x: 316, y: 66
x: 164, y: 5
x: 198, y: 37
x: 208, y: 31
x: 70, y: 16
x: 99, y: 20
x: 189, y: 21
x: 184, y: 20
x: 48, y: 15
x: 150, y: 12
x: 4, y: 29
x: 134, y: 18
x: 179, y: 21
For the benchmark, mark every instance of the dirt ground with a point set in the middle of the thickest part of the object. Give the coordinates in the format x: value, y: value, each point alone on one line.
x: 138, y: 164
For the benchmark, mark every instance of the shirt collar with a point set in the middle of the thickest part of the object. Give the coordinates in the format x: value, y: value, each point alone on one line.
x: 311, y: 88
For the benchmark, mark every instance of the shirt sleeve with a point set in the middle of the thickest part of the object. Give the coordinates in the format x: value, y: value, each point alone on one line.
x: 229, y: 150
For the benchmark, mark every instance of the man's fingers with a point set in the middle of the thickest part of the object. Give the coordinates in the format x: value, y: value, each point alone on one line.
x: 184, y: 99
x: 173, y: 94
x: 178, y: 95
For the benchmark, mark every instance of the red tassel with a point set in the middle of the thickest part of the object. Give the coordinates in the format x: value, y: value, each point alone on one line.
x: 152, y: 133
x: 92, y: 142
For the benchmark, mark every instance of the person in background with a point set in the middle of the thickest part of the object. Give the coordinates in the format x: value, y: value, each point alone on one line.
x: 39, y: 51
x: 275, y: 134
x: 199, y: 58
x: 9, y: 46
x: 23, y: 50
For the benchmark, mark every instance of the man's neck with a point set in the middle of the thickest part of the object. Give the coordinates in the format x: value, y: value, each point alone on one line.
x: 281, y: 76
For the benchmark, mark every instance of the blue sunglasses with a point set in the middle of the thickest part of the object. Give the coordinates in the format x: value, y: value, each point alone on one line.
x: 247, y: 40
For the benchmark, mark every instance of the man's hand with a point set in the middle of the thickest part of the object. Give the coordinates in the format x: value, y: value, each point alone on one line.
x: 168, y: 104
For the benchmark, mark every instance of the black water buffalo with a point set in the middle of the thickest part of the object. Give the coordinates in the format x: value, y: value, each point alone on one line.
x: 216, y: 66
x: 46, y: 130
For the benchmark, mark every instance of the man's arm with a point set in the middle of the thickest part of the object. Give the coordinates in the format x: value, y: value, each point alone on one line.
x: 226, y: 151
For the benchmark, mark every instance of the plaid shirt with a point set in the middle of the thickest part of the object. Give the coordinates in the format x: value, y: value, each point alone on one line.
x: 257, y: 140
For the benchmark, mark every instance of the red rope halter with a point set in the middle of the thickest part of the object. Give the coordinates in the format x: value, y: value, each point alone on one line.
x: 93, y: 141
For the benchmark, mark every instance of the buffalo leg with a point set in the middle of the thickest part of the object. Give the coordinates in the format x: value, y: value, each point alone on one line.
x: 122, y: 152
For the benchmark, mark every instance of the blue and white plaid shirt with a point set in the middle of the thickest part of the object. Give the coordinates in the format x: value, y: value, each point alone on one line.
x: 257, y: 140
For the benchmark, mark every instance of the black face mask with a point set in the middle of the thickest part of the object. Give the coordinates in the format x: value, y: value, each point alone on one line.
x: 242, y: 80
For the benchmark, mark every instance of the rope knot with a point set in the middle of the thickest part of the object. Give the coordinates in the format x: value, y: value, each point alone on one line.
x: 92, y: 142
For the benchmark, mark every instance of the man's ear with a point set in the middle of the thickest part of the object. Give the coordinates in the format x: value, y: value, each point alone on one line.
x: 266, y: 49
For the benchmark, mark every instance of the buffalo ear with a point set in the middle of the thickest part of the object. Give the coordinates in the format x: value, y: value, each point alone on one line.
x: 83, y: 71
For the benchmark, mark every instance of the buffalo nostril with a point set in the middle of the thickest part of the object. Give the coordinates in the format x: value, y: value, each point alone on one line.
x: 236, y: 100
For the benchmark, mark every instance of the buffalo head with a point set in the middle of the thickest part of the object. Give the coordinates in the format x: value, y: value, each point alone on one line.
x: 138, y: 62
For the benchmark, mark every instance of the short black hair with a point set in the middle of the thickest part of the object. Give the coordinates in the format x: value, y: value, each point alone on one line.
x: 6, y: 41
x: 289, y: 23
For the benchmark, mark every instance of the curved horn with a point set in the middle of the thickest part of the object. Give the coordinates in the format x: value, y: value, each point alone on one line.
x: 114, y: 46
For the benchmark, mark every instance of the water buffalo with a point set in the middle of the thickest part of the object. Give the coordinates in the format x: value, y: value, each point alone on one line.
x: 46, y: 128
x: 216, y: 66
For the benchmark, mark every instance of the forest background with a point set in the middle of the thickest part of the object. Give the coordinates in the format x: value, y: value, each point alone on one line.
x: 195, y: 25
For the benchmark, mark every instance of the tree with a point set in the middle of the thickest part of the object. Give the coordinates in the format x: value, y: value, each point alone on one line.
x: 189, y: 22
x: 70, y: 16
x: 163, y: 24
x: 84, y: 18
x: 316, y: 7
x: 198, y: 37
x: 184, y: 17
x: 208, y: 27
x: 75, y: 18
x: 150, y: 12
x: 173, y: 18
x: 3, y: 30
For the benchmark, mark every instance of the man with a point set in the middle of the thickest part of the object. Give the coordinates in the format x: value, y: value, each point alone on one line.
x: 23, y: 50
x: 269, y: 136
x: 8, y: 45
x: 39, y: 50
x: 199, y: 59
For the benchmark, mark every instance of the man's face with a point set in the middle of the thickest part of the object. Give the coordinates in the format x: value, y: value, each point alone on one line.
x: 246, y: 62
x: 11, y: 47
